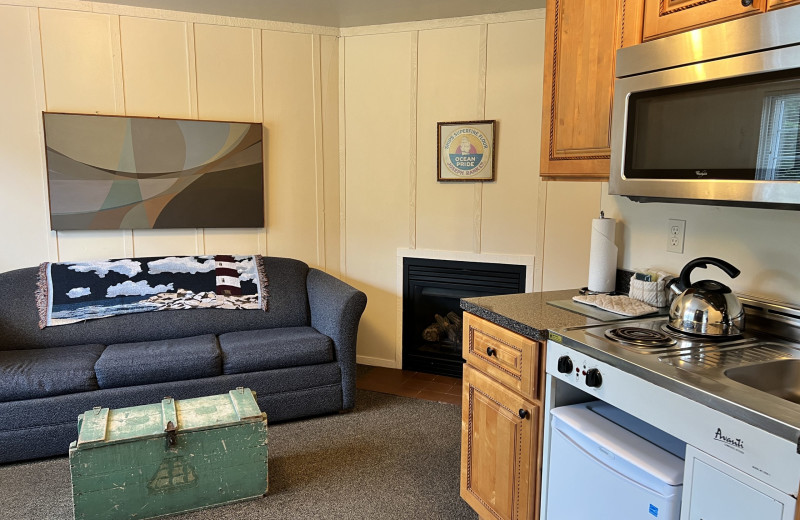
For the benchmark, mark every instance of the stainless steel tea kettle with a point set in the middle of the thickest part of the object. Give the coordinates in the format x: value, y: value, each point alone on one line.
x: 705, y: 308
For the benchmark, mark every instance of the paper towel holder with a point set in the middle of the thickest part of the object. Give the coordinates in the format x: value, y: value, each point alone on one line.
x: 604, y: 282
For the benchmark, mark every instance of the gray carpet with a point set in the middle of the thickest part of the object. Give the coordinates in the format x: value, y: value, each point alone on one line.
x: 391, y: 458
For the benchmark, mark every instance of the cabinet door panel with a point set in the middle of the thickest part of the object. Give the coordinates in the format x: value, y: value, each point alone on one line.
x: 665, y: 17
x: 498, y: 449
x: 578, y: 88
x: 775, y: 4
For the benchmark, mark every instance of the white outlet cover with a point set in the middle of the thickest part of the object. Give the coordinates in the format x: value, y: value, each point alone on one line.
x: 676, y: 232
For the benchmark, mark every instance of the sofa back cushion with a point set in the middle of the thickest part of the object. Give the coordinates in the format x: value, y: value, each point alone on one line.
x: 19, y: 320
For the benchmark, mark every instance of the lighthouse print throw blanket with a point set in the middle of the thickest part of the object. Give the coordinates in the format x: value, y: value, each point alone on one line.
x: 68, y: 292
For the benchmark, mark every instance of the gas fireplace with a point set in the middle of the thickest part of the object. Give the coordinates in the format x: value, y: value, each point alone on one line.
x: 432, y: 323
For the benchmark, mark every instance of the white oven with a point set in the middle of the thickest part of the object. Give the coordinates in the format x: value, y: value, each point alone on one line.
x: 733, y: 470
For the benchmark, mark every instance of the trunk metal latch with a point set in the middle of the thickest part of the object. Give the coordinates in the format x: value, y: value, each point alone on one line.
x: 172, y: 436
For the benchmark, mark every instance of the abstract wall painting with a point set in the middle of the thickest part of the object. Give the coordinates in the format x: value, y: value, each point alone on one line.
x: 115, y: 172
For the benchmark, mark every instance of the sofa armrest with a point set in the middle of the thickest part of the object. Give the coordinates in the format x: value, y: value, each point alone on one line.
x: 336, y: 309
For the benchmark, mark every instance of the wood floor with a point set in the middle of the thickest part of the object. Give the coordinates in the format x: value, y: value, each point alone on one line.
x: 419, y: 385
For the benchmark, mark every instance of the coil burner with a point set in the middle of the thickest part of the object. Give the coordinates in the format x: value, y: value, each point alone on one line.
x: 640, y: 337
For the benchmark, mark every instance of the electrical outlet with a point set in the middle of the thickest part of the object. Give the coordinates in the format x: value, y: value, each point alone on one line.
x: 676, y: 231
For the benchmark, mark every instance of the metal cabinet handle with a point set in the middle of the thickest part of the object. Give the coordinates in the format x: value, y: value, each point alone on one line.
x: 747, y: 3
x: 523, y: 414
x: 491, y: 351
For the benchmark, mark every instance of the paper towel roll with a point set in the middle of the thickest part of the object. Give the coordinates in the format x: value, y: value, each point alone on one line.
x: 603, y: 256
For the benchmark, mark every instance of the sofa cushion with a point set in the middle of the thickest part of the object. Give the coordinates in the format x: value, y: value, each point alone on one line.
x: 30, y: 374
x: 130, y: 364
x: 254, y: 350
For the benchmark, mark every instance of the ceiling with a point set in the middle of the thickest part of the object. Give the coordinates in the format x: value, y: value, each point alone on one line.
x: 339, y: 13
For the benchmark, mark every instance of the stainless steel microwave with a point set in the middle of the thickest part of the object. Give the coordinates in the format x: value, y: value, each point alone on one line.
x: 711, y: 116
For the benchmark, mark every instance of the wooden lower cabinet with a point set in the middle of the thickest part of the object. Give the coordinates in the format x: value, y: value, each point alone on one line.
x: 499, y: 449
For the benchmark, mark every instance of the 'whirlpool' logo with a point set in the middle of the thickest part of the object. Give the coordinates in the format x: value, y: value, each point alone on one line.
x: 701, y: 173
x: 737, y: 444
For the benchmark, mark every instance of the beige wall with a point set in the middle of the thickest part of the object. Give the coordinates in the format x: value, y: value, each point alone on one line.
x: 95, y: 58
x: 350, y: 119
x: 762, y: 243
x: 399, y: 81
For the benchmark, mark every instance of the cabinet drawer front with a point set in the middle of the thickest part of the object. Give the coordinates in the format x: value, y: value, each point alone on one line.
x: 499, y: 451
x: 508, y: 357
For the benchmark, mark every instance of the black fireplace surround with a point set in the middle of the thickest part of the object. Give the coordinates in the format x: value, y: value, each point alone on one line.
x: 431, y: 312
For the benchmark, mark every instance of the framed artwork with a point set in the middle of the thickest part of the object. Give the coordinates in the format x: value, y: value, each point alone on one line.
x: 465, y: 151
x: 116, y: 172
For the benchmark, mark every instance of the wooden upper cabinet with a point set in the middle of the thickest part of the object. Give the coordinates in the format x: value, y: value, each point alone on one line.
x: 665, y: 17
x: 581, y: 41
x: 775, y: 4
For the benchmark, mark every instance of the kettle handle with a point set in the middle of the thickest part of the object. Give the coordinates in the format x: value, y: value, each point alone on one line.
x: 704, y: 262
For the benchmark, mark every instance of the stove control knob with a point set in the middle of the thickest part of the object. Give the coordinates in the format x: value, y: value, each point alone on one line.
x: 593, y: 378
x: 565, y: 365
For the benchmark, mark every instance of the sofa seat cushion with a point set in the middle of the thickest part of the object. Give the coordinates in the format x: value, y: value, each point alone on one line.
x: 131, y: 364
x: 43, y: 372
x: 255, y: 350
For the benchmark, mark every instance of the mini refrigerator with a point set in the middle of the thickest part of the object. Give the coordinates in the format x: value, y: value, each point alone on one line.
x: 608, y: 465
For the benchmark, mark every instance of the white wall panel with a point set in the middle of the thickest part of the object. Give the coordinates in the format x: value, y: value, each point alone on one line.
x: 79, y: 62
x: 226, y: 73
x: 450, y: 89
x: 233, y: 241
x: 571, y: 206
x: 513, y: 98
x: 157, y: 242
x: 24, y: 226
x: 288, y: 100
x: 81, y: 74
x: 229, y: 89
x: 378, y: 72
x: 156, y: 67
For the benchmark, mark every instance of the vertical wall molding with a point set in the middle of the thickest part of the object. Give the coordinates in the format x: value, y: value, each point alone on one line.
x: 412, y: 162
x: 319, y: 148
x: 128, y: 244
x: 116, y: 59
x: 35, y: 41
x: 541, y: 221
x: 194, y: 109
x: 477, y: 220
x: 342, y: 163
x: 191, y: 69
x: 258, y: 117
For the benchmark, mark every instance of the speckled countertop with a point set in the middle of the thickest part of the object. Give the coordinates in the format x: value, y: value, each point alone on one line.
x: 527, y: 314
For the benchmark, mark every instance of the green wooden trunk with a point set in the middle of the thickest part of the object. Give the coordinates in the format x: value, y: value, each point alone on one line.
x: 170, y: 457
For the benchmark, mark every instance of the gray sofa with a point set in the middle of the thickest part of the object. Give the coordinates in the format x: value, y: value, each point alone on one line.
x: 299, y: 357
